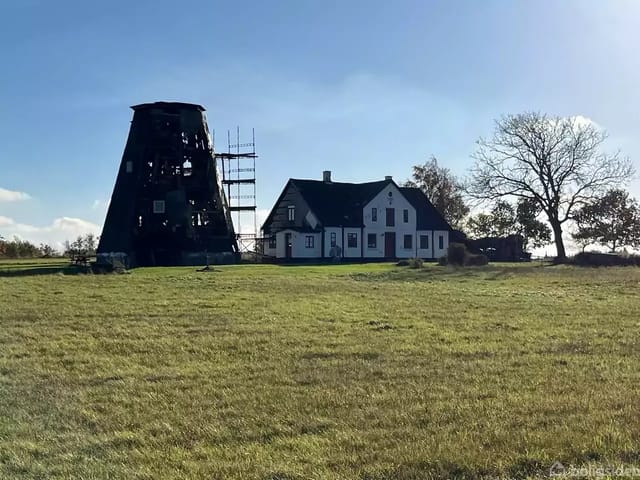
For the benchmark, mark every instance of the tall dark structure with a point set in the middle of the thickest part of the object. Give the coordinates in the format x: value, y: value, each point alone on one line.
x: 168, y: 206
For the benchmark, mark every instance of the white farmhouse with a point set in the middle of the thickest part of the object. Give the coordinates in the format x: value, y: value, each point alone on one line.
x: 315, y: 219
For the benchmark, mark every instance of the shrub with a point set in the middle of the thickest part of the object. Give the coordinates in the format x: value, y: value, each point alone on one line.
x: 474, y: 260
x: 594, y: 259
x: 459, y: 255
x: 415, y: 263
x: 456, y: 254
x: 402, y: 263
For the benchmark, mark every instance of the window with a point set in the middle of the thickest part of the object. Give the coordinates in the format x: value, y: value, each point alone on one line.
x: 291, y: 213
x: 391, y: 217
x: 408, y: 241
x: 272, y: 242
x: 424, y: 242
x: 352, y: 240
x: 308, y: 241
x: 333, y: 239
x: 405, y: 215
x: 371, y: 240
x: 374, y: 214
x: 440, y: 242
x: 158, y: 206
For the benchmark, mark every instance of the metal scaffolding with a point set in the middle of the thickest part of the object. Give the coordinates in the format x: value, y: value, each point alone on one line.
x: 238, y: 165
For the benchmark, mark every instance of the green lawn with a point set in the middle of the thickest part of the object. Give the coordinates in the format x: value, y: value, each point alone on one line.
x: 334, y: 372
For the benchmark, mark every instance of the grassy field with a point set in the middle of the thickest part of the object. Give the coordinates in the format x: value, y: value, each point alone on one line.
x: 336, y: 372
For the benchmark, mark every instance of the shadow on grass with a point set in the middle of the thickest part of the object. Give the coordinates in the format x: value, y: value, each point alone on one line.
x: 435, y: 273
x: 44, y: 270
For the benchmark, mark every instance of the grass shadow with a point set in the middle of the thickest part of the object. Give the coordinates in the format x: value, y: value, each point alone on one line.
x: 44, y: 270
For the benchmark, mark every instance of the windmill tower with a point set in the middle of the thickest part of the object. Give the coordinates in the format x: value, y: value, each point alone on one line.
x: 168, y: 206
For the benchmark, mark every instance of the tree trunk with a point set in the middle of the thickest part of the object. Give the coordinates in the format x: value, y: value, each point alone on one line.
x: 561, y: 256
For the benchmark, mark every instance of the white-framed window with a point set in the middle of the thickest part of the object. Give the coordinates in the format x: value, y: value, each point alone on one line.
x: 291, y: 213
x: 272, y: 242
x: 424, y: 242
x: 405, y: 215
x: 440, y: 242
x: 408, y: 242
x: 333, y: 239
x: 352, y: 240
x: 158, y: 206
x: 309, y: 241
x: 374, y: 214
x: 372, y: 240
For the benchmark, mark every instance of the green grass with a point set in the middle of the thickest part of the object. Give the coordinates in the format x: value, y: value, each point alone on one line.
x: 334, y: 372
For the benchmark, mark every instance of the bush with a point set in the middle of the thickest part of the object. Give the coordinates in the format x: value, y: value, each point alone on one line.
x: 474, y: 260
x: 415, y: 263
x: 411, y: 263
x: 594, y: 259
x: 456, y: 254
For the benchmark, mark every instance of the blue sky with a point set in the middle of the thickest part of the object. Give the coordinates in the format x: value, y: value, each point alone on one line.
x: 362, y: 88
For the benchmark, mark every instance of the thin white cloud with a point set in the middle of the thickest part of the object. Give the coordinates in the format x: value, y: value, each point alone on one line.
x: 55, y: 234
x: 12, y: 195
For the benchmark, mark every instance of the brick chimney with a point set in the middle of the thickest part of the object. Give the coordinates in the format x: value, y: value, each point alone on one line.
x: 326, y: 176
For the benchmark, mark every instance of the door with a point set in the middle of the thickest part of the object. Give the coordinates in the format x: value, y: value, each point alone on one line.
x: 287, y: 245
x: 390, y: 244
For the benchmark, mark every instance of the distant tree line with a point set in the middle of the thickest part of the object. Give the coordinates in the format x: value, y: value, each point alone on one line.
x: 536, y: 175
x: 17, y: 248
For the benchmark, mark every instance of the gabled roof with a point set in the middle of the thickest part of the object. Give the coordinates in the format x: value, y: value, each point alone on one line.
x: 428, y: 218
x: 337, y: 203
x: 341, y: 204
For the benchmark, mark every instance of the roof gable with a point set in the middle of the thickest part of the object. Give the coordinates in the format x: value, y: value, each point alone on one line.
x: 428, y: 217
x: 337, y: 203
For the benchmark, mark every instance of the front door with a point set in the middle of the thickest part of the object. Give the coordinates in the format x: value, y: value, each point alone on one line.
x: 287, y: 245
x: 390, y: 244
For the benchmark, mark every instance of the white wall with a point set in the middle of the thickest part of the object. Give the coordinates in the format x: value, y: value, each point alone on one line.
x: 327, y: 239
x: 425, y: 252
x: 439, y: 252
x: 381, y: 202
x: 298, y: 248
x: 356, y: 251
x: 267, y: 250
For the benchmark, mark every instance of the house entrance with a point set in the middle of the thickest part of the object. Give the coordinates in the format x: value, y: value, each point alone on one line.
x: 390, y: 244
x: 287, y: 245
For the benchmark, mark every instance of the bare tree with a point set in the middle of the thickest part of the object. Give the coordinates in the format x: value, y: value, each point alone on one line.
x: 555, y: 163
x: 442, y: 189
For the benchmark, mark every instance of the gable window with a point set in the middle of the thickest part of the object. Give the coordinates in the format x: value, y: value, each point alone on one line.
x: 440, y: 242
x: 391, y: 217
x: 372, y: 240
x: 424, y: 242
x: 158, y: 206
x: 352, y: 240
x: 308, y: 241
x: 333, y: 239
x: 374, y: 214
x: 291, y: 210
x: 272, y: 242
x: 405, y: 215
x: 408, y: 241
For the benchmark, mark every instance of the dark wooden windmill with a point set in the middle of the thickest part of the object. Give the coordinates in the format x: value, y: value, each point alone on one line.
x: 168, y: 206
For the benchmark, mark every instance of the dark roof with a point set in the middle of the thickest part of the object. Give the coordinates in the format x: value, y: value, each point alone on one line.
x: 341, y: 204
x: 336, y: 203
x: 428, y: 218
x: 169, y: 105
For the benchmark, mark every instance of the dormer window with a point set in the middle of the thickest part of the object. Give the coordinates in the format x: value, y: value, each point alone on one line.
x: 291, y: 213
